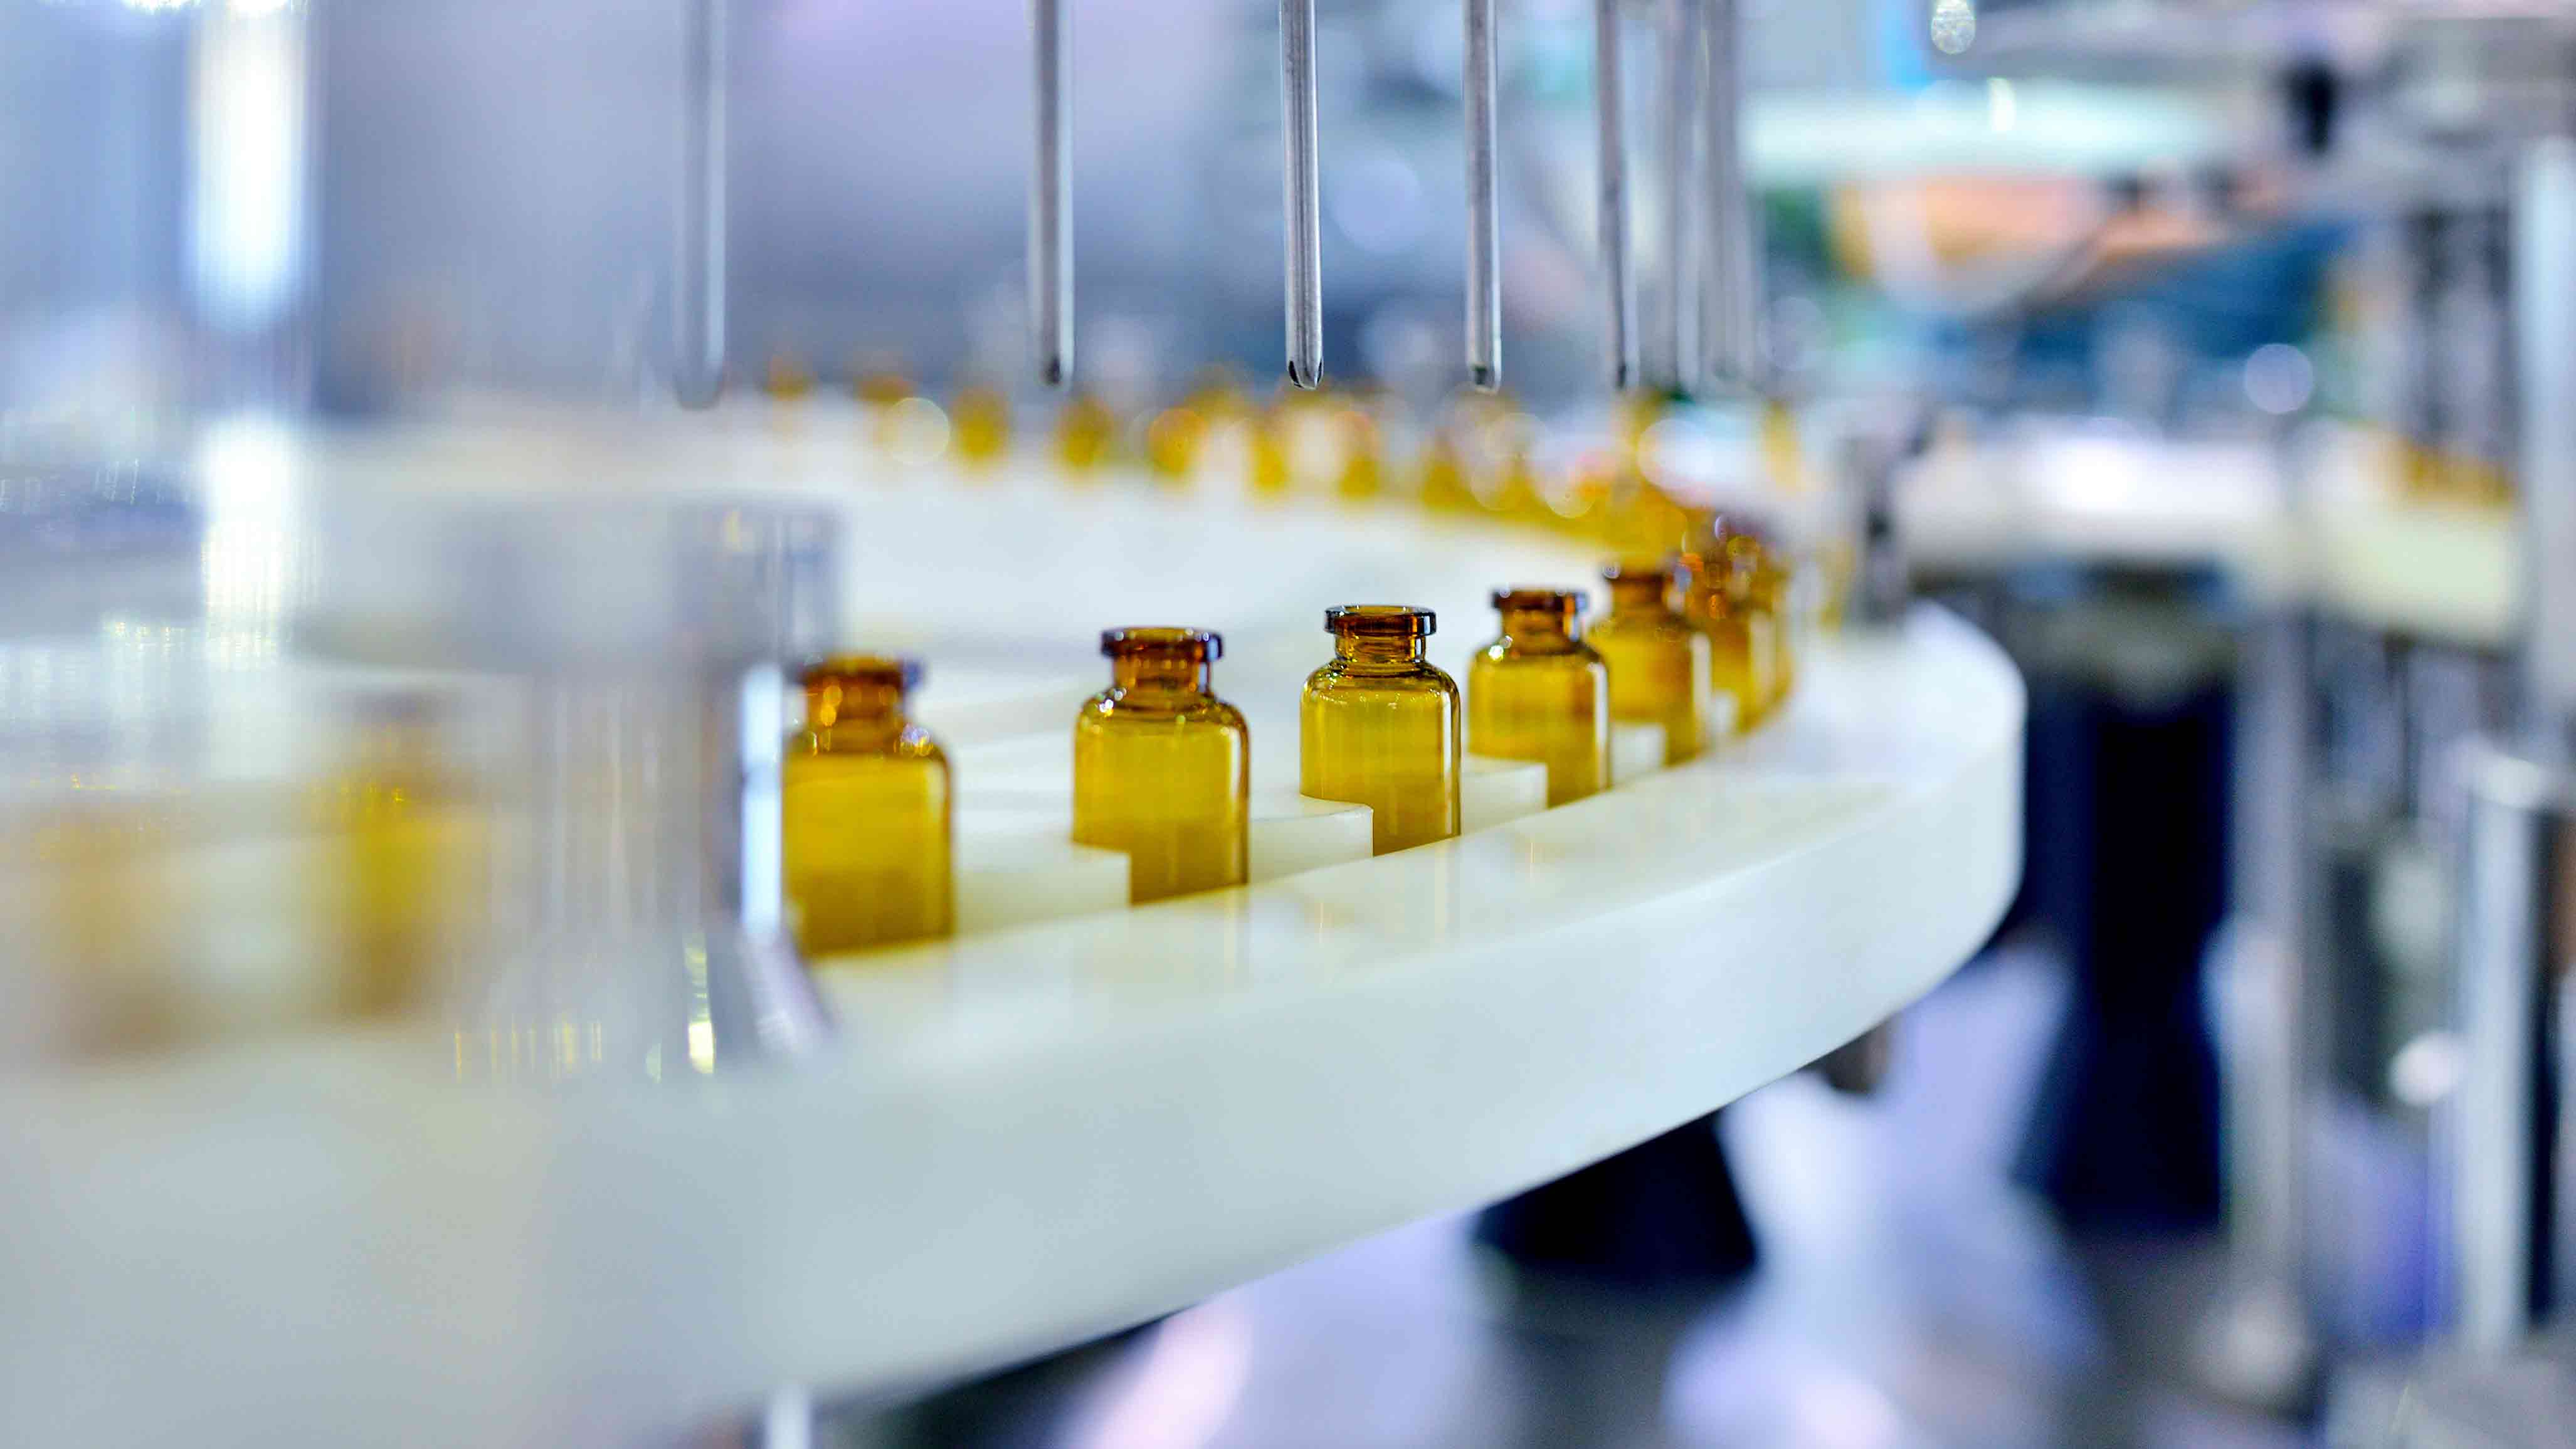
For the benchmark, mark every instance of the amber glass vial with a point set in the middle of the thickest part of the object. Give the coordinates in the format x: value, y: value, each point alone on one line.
x: 1768, y: 583
x: 1540, y: 693
x: 1172, y: 442
x: 981, y: 417
x: 413, y: 853
x: 1086, y: 435
x: 1162, y: 768
x: 867, y: 806
x: 1658, y: 663
x: 1717, y: 598
x: 1443, y: 481
x: 1380, y: 726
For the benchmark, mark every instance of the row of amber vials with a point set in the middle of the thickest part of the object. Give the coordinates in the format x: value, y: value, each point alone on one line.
x: 1611, y: 501
x: 1162, y: 766
x: 1162, y: 771
x: 1607, y: 499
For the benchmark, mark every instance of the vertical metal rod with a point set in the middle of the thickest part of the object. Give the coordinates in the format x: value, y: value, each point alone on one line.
x: 1484, y: 223
x: 2500, y: 1126
x: 1618, y: 283
x: 699, y: 289
x: 1051, y: 202
x: 1669, y: 322
x: 1732, y: 351
x: 1304, y: 204
x: 2543, y: 309
x: 2258, y: 1347
x: 2499, y: 1131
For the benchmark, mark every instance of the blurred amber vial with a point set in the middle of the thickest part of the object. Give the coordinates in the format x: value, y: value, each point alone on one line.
x: 786, y: 378
x: 1162, y: 768
x: 1363, y: 468
x: 1380, y: 726
x: 880, y: 385
x: 411, y: 851
x: 1540, y: 693
x: 1441, y: 481
x: 1742, y: 640
x: 867, y: 807
x: 1658, y: 662
x: 1086, y: 434
x: 1769, y: 580
x: 1172, y: 442
x: 981, y: 416
x: 1269, y: 476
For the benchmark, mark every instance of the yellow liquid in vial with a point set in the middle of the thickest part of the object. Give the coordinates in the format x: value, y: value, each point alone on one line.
x: 1363, y: 470
x: 1742, y: 642
x: 1518, y: 497
x: 1172, y: 443
x: 1767, y: 579
x: 867, y: 849
x: 786, y: 378
x: 1268, y: 446
x: 982, y: 420
x: 1443, y: 484
x: 412, y: 848
x: 1086, y: 434
x: 1740, y: 665
x: 1773, y: 603
x: 881, y: 387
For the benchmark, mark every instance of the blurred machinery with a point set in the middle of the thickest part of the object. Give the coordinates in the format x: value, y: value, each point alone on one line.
x: 2371, y: 746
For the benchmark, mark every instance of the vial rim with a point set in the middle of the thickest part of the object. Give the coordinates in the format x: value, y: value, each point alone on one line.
x: 1152, y: 639
x: 1637, y: 571
x: 1571, y: 601
x: 1381, y: 620
x: 1726, y: 525
x: 903, y: 671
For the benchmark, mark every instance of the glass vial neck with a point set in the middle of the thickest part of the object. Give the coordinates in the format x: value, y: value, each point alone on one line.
x: 1716, y: 575
x: 1370, y: 649
x: 1727, y: 555
x: 857, y: 696
x: 1161, y: 660
x: 1639, y: 588
x: 1160, y: 672
x: 1541, y: 617
x: 1379, y: 633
